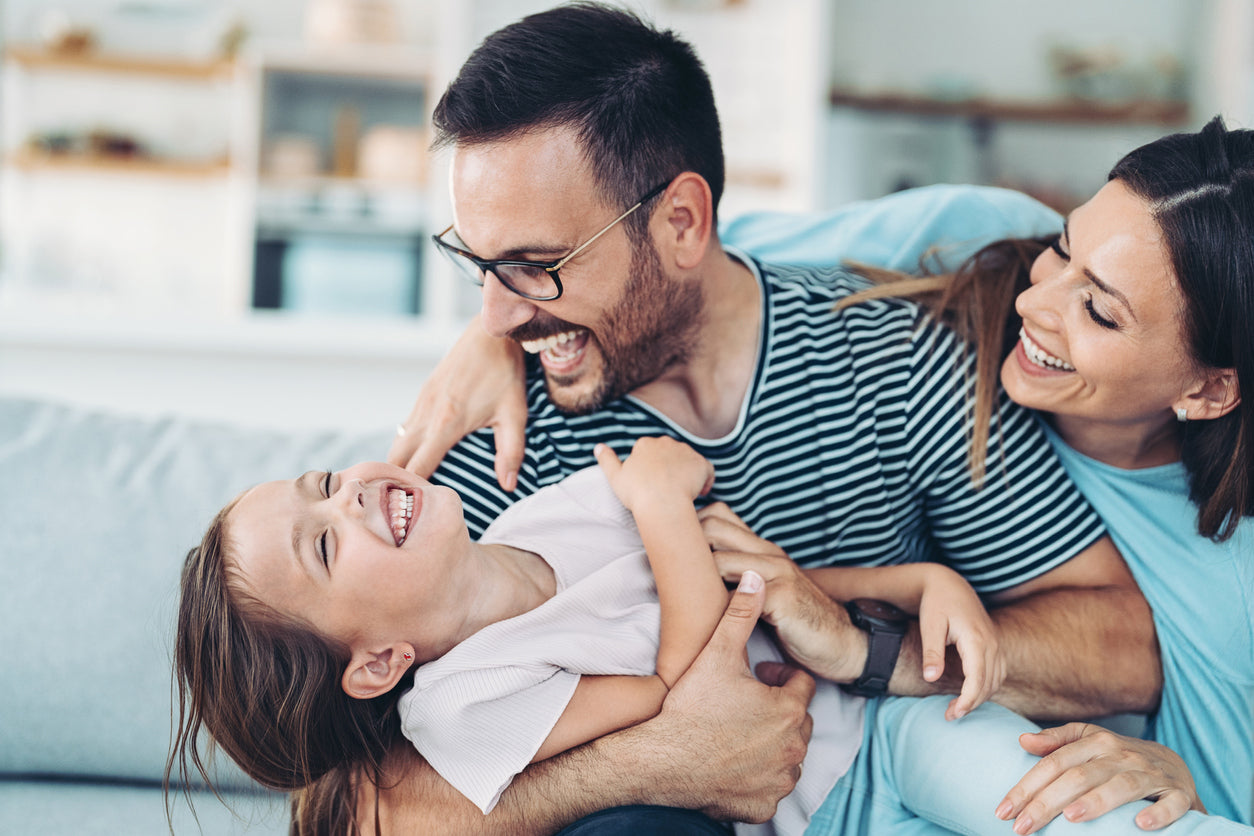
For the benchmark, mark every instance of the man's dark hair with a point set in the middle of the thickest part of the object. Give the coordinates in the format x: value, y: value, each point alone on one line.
x: 639, y: 98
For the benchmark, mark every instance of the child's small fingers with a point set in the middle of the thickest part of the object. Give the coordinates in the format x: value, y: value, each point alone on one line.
x: 932, y: 635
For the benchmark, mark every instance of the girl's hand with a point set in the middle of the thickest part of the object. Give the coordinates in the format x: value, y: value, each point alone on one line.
x: 1085, y: 771
x: 658, y: 469
x: 951, y: 613
x: 479, y: 383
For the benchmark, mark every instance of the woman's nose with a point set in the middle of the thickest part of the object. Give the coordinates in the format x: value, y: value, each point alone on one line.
x: 1040, y: 303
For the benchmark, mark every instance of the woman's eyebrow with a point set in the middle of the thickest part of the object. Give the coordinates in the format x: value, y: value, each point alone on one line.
x: 1092, y: 277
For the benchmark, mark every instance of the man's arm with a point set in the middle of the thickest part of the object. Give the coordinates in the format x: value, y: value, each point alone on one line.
x: 724, y: 743
x: 1078, y: 640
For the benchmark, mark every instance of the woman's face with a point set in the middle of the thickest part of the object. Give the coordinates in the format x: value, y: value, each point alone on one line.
x: 1102, y: 340
x: 365, y: 555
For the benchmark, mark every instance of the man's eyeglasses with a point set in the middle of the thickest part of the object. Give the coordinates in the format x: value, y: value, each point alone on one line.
x: 535, y: 280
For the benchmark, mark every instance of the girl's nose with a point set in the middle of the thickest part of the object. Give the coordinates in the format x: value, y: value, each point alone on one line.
x: 351, y: 497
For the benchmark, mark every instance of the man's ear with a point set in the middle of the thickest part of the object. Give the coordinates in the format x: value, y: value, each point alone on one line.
x: 687, y: 210
x: 1214, y: 395
x: 371, y: 673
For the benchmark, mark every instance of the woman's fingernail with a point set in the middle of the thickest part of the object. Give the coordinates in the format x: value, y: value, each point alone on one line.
x: 750, y: 581
x: 1004, y: 809
x: 1023, y: 825
x: 1074, y: 812
x: 930, y: 673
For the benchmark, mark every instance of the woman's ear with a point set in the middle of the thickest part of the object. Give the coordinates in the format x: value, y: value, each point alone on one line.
x: 372, y: 673
x: 1216, y: 394
x: 687, y: 210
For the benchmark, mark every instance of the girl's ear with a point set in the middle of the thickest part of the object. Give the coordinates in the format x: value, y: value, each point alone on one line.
x: 371, y: 673
x: 1214, y: 396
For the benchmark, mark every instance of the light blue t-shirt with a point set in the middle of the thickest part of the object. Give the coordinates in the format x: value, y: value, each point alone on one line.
x: 1202, y: 594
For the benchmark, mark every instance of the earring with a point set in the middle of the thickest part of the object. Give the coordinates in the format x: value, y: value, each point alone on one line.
x: 408, y: 657
x: 1182, y: 414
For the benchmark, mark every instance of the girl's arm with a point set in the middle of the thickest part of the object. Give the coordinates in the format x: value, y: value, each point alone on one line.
x: 657, y: 483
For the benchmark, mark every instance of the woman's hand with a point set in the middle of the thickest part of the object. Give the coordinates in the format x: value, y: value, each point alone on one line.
x: 951, y: 613
x: 479, y: 383
x: 1086, y: 771
x: 659, y: 469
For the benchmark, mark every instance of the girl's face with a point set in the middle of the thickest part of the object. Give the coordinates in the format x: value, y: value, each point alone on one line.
x: 1102, y: 341
x: 365, y: 556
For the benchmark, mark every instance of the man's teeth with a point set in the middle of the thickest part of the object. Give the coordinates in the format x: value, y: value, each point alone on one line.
x: 1041, y: 357
x: 402, y: 508
x: 536, y: 346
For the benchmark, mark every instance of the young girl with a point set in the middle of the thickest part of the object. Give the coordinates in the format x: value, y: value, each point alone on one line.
x: 322, y: 617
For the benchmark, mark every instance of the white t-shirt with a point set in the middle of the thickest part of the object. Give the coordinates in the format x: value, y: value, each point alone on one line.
x: 479, y: 713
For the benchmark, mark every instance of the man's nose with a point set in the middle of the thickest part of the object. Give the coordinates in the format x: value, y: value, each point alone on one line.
x: 503, y: 310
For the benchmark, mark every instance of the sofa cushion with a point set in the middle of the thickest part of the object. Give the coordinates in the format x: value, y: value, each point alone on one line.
x: 97, y: 512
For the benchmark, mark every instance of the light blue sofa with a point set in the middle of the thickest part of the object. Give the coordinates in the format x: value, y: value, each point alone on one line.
x: 97, y: 512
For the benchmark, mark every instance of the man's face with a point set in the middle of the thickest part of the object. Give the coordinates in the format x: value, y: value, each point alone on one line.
x: 621, y: 320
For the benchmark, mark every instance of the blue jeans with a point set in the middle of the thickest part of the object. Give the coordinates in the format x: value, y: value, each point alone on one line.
x: 640, y: 819
x: 918, y: 774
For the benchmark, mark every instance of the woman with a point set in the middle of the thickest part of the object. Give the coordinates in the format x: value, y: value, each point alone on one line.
x: 1130, y: 335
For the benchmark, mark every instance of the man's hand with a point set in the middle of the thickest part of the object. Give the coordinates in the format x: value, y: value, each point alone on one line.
x: 479, y: 383
x: 724, y: 742
x: 732, y: 745
x: 1086, y: 771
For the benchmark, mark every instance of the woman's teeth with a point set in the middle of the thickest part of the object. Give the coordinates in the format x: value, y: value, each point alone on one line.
x: 1040, y: 357
x: 549, y: 343
x: 401, y: 507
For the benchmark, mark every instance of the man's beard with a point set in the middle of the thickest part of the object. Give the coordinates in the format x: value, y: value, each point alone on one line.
x: 652, y: 328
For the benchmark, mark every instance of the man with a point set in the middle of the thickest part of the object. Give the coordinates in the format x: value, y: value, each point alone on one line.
x: 586, y: 173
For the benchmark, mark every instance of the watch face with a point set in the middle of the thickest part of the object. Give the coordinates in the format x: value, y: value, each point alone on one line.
x: 880, y: 610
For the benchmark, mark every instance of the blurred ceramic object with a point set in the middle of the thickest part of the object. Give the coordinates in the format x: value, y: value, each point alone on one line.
x: 393, y: 154
x: 59, y: 33
x: 292, y: 156
x: 349, y: 22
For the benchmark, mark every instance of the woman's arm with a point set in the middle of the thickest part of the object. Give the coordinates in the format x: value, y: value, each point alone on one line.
x: 479, y: 383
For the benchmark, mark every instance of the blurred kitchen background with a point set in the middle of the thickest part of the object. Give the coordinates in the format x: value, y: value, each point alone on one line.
x: 223, y: 207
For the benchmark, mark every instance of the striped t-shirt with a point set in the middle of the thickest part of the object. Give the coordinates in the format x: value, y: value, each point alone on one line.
x: 850, y: 447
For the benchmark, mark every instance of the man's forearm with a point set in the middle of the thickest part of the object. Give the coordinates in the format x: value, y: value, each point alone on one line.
x: 1070, y: 652
x: 542, y: 799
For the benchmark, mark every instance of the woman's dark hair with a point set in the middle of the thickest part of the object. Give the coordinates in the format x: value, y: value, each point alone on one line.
x: 1200, y: 190
x: 266, y: 687
x: 639, y: 98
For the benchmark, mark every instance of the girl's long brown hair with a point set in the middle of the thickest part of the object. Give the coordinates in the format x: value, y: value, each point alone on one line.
x: 267, y: 689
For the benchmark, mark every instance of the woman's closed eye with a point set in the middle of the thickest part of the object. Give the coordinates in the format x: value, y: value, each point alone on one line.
x: 323, y: 549
x: 1102, y: 321
x: 1056, y: 246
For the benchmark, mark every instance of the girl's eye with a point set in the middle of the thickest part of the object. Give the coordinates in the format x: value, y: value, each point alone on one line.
x: 1056, y: 246
x: 322, y: 550
x: 326, y: 485
x: 1098, y: 318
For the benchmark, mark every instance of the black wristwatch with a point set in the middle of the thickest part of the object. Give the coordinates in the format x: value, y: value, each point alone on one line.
x: 885, y: 626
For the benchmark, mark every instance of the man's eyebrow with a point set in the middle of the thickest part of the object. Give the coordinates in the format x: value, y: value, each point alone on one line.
x: 1092, y: 277
x: 298, y: 528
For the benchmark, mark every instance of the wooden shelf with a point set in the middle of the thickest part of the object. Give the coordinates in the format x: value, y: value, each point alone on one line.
x: 1069, y: 111
x: 28, y: 160
x: 91, y: 61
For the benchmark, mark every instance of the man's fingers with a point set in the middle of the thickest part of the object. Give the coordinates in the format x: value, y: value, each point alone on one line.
x: 740, y: 618
x: 798, y: 682
x: 732, y: 564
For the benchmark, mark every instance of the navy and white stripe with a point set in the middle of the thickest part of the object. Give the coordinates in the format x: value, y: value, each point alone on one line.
x: 851, y: 450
